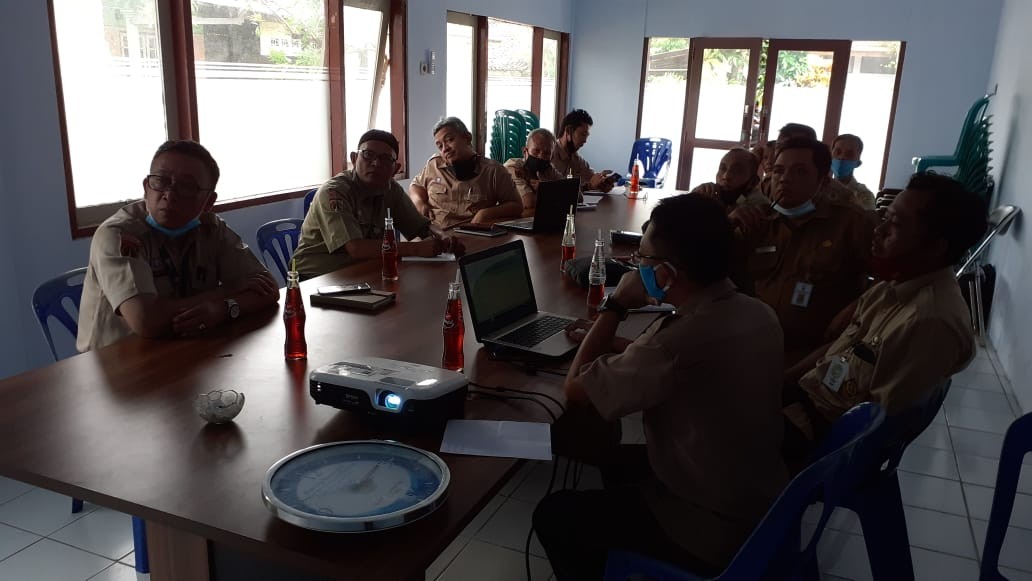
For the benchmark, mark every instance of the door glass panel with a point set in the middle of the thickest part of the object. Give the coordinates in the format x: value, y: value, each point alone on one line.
x: 867, y: 105
x: 662, y: 110
x: 704, y: 165
x: 722, y: 93
x: 801, y: 89
x: 362, y: 29
x: 549, y: 74
x: 459, y: 77
x: 508, y: 69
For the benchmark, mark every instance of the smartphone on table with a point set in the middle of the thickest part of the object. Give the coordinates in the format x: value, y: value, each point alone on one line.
x: 344, y: 289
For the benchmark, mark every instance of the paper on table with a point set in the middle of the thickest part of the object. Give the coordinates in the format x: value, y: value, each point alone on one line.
x: 616, y: 191
x: 530, y: 440
x: 443, y: 257
x: 589, y: 199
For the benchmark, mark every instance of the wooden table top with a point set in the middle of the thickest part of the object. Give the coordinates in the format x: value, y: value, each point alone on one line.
x: 117, y: 427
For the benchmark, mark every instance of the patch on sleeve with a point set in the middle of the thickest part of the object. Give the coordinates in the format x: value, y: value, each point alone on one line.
x: 129, y: 245
x: 335, y: 201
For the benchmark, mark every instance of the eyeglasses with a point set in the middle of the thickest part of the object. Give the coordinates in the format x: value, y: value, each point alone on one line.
x: 165, y: 184
x: 371, y: 156
x: 637, y: 257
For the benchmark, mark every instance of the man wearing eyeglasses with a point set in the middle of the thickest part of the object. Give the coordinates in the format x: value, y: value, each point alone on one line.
x: 346, y: 220
x: 167, y: 265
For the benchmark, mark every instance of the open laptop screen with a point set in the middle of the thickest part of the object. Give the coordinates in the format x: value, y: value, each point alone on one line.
x: 498, y: 287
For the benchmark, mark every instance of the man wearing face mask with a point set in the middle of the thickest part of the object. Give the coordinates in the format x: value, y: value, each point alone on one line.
x: 458, y: 186
x: 707, y: 382
x: 807, y: 254
x: 167, y: 265
x: 535, y: 166
x: 573, y: 134
x: 737, y: 182
x: 829, y: 188
x: 845, y: 157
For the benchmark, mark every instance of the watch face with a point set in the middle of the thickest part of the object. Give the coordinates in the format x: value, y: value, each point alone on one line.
x: 234, y: 308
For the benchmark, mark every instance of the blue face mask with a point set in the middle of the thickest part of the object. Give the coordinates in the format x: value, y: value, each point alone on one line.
x: 173, y: 233
x: 843, y: 168
x: 798, y: 211
x: 647, y: 272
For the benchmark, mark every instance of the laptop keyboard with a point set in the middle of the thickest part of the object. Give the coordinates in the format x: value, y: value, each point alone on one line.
x: 536, y: 331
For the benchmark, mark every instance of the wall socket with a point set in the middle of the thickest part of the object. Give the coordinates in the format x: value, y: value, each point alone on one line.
x: 428, y: 66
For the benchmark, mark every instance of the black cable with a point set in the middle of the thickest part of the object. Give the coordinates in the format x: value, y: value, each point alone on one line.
x: 521, y: 391
x: 566, y: 474
x: 551, y: 414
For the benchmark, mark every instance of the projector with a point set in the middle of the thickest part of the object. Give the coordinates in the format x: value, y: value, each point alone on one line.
x: 385, y: 387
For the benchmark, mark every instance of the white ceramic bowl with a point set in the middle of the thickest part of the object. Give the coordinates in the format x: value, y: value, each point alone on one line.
x: 219, y: 406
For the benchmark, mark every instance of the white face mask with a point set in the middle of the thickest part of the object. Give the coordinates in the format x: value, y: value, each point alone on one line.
x: 803, y: 209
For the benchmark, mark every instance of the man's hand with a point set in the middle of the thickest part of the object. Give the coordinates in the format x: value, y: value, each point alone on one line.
x: 200, y: 317
x: 577, y: 330
x: 260, y: 283
x: 455, y: 245
x: 428, y: 247
x: 747, y: 218
x: 709, y: 189
x: 630, y: 291
x: 475, y: 207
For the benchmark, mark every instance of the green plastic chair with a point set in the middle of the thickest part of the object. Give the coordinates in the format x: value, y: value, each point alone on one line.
x: 508, y: 135
x: 968, y: 134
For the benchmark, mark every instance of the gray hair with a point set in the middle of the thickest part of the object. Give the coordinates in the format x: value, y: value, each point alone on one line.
x: 453, y: 122
x: 542, y: 132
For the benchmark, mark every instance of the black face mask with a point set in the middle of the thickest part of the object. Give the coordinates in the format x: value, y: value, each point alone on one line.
x: 465, y: 169
x: 536, y: 164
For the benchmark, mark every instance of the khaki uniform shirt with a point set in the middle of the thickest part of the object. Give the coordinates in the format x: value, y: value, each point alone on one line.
x: 571, y: 164
x: 824, y: 254
x: 345, y: 209
x: 449, y: 198
x: 129, y: 258
x: 524, y: 179
x: 914, y: 334
x: 753, y: 197
x: 862, y: 196
x: 709, y: 382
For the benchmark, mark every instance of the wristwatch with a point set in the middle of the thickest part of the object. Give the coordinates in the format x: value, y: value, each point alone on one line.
x: 610, y: 304
x: 233, y: 307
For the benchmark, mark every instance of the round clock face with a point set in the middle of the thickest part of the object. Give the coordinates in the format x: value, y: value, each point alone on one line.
x: 355, y: 486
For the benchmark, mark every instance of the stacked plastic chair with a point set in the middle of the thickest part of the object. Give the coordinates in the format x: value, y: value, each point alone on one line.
x: 509, y: 133
x: 972, y: 154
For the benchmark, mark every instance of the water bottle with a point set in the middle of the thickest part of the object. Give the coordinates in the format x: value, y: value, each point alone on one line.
x: 597, y: 276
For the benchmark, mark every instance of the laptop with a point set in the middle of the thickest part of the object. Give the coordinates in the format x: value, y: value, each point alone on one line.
x: 553, y: 204
x: 501, y: 302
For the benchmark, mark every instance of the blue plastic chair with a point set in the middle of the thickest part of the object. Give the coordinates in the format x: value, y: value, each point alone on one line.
x: 772, y: 550
x: 278, y: 239
x: 654, y: 153
x: 1016, y: 444
x: 308, y: 200
x: 51, y: 300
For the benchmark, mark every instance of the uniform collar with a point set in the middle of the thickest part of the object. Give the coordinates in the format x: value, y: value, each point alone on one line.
x: 905, y: 291
x: 716, y: 291
x: 362, y: 189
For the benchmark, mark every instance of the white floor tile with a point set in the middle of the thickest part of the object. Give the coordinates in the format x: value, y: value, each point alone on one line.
x: 520, y: 475
x: 445, y: 558
x: 842, y: 519
x: 844, y: 555
x: 479, y: 561
x: 940, y: 418
x: 977, y: 380
x: 52, y: 561
x: 103, y: 531
x: 483, y: 516
x: 509, y: 527
x: 41, y: 511
x: 13, y: 540
x: 929, y: 461
x: 10, y: 489
x: 1014, y: 574
x: 535, y: 485
x: 976, y: 442
x: 981, y: 365
x: 1015, y: 552
x: 982, y: 471
x: 989, y: 401
x: 932, y: 493
x: 934, y: 566
x: 935, y: 436
x: 973, y: 419
x: 938, y: 531
x: 119, y: 572
x: 129, y: 559
x: 980, y: 503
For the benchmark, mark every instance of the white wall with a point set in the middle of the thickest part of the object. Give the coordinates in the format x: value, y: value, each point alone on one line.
x: 1011, y: 320
x: 949, y: 49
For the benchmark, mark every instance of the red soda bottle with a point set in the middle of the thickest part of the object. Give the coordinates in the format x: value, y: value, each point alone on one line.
x: 295, y: 346
x: 569, y: 242
x: 454, y: 328
x: 634, y: 188
x: 389, y: 249
x: 597, y: 277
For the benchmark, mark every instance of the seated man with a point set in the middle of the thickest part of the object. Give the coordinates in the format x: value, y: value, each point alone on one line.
x: 907, y: 333
x: 573, y: 134
x: 459, y: 186
x: 830, y: 188
x: 806, y: 256
x: 535, y: 166
x: 738, y: 180
x: 167, y: 265
x: 845, y: 157
x: 706, y: 380
x: 346, y: 220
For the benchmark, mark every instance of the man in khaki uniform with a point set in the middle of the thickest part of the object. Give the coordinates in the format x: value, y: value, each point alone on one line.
x: 459, y: 186
x: 738, y: 181
x: 829, y: 189
x: 909, y: 332
x: 845, y: 157
x: 573, y: 134
x: 707, y: 381
x: 346, y: 220
x: 534, y: 167
x: 167, y: 265
x: 807, y: 255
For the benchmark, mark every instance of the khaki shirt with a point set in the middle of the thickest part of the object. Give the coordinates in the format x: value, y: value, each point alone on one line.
x: 862, y: 196
x: 449, y: 198
x: 916, y: 333
x: 709, y: 382
x: 526, y: 183
x: 571, y: 164
x: 345, y: 209
x: 129, y: 258
x: 828, y: 249
x: 753, y: 197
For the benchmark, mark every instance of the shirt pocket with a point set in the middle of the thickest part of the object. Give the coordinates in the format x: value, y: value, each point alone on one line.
x: 438, y: 194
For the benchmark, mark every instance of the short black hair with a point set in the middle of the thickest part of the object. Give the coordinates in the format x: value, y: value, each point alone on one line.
x: 194, y: 150
x: 453, y: 122
x: 695, y: 230
x: 951, y: 212
x: 754, y: 160
x: 821, y: 152
x: 798, y: 129
x: 856, y: 138
x: 381, y: 136
x: 575, y: 119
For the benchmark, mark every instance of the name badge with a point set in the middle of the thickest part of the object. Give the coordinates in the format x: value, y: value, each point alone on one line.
x: 801, y: 294
x: 837, y: 373
x: 766, y: 249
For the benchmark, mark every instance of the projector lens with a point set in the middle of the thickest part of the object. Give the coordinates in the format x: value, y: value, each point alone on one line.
x: 392, y: 401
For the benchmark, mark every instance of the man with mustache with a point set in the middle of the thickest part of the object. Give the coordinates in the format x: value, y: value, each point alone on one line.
x: 534, y: 167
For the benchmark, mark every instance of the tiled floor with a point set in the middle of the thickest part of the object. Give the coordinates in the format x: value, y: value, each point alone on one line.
x: 946, y: 479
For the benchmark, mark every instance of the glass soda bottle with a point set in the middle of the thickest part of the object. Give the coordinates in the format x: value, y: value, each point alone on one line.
x: 454, y: 328
x: 597, y: 276
x: 569, y: 241
x: 294, y: 347
x: 634, y: 187
x: 389, y: 249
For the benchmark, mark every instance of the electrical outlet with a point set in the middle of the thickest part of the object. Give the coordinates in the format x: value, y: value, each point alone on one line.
x: 424, y: 68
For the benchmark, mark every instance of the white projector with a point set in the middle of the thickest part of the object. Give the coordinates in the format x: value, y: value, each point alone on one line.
x: 387, y: 387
